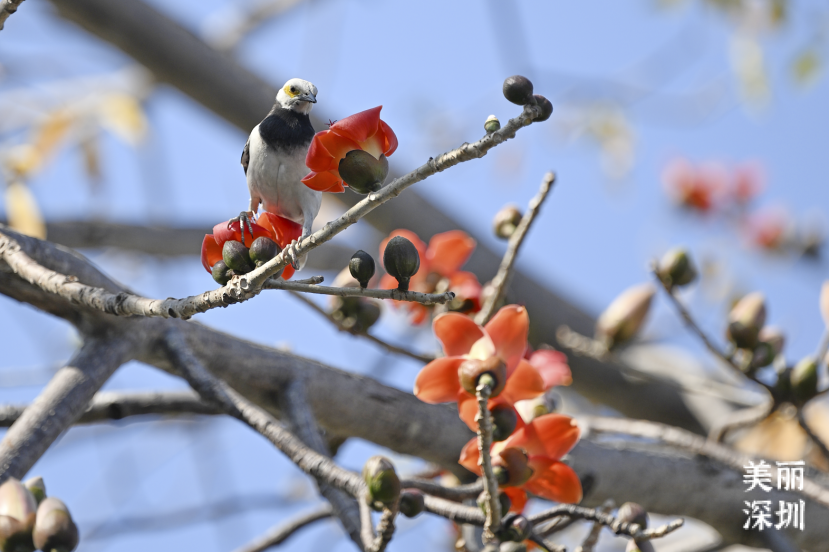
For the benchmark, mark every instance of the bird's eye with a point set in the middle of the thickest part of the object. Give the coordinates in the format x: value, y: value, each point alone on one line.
x: 293, y: 89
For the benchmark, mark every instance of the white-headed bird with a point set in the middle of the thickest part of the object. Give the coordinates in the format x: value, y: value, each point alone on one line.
x: 274, y: 160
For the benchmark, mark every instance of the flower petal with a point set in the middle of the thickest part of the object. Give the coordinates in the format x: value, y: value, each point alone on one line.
x: 287, y: 272
x: 322, y: 181
x: 284, y: 230
x: 391, y: 138
x: 337, y: 146
x: 517, y: 498
x: 508, y: 330
x: 554, y: 480
x: 551, y: 435
x: 223, y: 233
x: 469, y: 456
x: 524, y: 383
x: 553, y: 367
x: 468, y: 409
x: 466, y: 286
x: 448, y: 251
x: 419, y: 313
x: 211, y: 253
x: 318, y: 158
x: 360, y: 126
x: 438, y: 381
x: 456, y: 332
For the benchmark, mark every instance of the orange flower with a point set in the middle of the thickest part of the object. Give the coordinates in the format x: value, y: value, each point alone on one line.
x: 503, y: 338
x: 361, y: 131
x: 440, y: 265
x: 279, y: 229
x: 552, y: 365
x: 542, y: 444
x: 694, y: 187
x: 770, y: 229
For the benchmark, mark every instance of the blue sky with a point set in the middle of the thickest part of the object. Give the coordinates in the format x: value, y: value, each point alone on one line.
x: 437, y: 69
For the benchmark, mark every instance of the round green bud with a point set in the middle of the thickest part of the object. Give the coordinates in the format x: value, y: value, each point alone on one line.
x: 804, y: 380
x: 675, y: 268
x: 361, y: 267
x: 362, y: 172
x: 401, y: 260
x: 381, y: 480
x: 55, y: 531
x: 546, y: 108
x: 37, y: 487
x: 492, y: 124
x: 516, y: 528
x: 631, y: 512
x: 471, y: 370
x: 221, y: 273
x: 506, y: 221
x: 518, y: 89
x: 263, y: 249
x: 412, y: 503
x: 236, y: 256
x: 504, y: 420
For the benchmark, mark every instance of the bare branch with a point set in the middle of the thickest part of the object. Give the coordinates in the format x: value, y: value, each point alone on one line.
x: 7, y: 7
x: 283, y: 531
x: 459, y: 513
x: 384, y: 344
x: 593, y: 536
x: 599, y: 516
x: 61, y: 403
x: 503, y: 276
x: 455, y: 494
x: 109, y: 405
x: 376, y: 540
x: 490, y: 494
x: 304, y: 425
x: 394, y: 294
x: 215, y: 391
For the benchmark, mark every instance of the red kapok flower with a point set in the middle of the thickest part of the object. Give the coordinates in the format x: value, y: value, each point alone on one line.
x: 694, y: 187
x: 279, y: 229
x: 552, y: 365
x: 504, y: 338
x: 440, y: 265
x: 543, y: 441
x: 769, y: 229
x: 361, y: 131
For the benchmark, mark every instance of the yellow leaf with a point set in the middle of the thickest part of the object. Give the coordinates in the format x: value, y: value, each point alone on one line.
x: 49, y: 134
x: 124, y: 116
x: 23, y: 160
x: 22, y: 211
x: 806, y: 67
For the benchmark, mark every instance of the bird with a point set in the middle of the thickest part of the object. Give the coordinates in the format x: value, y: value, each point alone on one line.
x: 274, y: 162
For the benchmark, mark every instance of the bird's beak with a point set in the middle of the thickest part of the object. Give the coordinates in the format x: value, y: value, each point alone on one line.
x: 308, y: 98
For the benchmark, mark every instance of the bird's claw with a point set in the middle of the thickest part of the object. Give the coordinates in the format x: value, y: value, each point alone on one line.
x: 245, y: 220
x: 292, y: 256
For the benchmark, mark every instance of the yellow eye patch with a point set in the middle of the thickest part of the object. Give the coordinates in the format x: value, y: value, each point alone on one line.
x: 291, y: 91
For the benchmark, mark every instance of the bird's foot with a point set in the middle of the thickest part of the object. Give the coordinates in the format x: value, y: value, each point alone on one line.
x: 244, y: 219
x: 292, y: 255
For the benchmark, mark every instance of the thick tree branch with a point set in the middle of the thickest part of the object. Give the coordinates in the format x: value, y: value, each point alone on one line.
x: 61, y: 403
x: 7, y: 7
x: 502, y: 277
x: 283, y: 531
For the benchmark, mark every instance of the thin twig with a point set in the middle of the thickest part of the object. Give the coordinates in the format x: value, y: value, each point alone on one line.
x: 283, y: 531
x: 633, y: 530
x: 365, y: 335
x: 801, y: 419
x: 490, y: 494
x: 217, y: 392
x: 593, y: 536
x: 7, y: 7
x: 394, y: 294
x: 502, y: 277
x: 456, y: 494
x: 247, y: 286
x: 376, y: 540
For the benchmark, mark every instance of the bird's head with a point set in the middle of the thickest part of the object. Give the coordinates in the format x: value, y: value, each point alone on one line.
x: 297, y: 95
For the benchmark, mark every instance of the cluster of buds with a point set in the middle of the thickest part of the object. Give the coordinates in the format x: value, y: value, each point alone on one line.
x: 519, y: 90
x: 30, y: 521
x: 355, y: 314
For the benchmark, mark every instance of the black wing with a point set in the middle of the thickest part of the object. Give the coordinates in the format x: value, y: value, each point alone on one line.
x: 246, y: 156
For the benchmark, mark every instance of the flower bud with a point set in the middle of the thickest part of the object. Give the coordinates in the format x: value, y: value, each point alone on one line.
x: 625, y: 315
x: 675, y: 268
x: 221, y: 273
x: 631, y: 512
x: 471, y: 370
x: 746, y: 319
x: 17, y: 517
x: 546, y: 108
x: 262, y: 250
x: 381, y: 479
x: 412, y: 503
x: 516, y: 528
x: 804, y: 380
x: 37, y: 487
x: 492, y: 124
x: 518, y: 89
x: 366, y: 315
x: 236, y: 257
x: 362, y: 172
x: 401, y: 260
x: 361, y: 267
x: 504, y: 420
x: 771, y: 340
x: 506, y: 221
x: 511, y: 467
x: 55, y: 531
